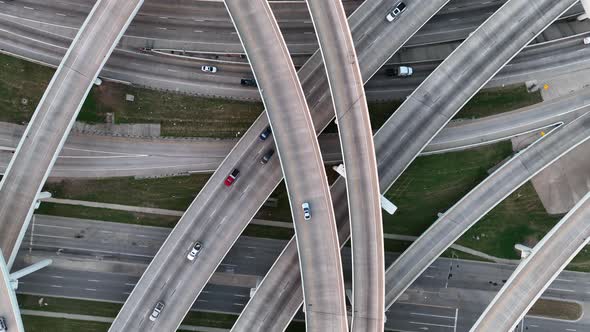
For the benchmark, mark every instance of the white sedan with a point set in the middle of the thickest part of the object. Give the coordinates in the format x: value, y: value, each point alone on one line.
x: 194, y: 251
x: 209, y: 69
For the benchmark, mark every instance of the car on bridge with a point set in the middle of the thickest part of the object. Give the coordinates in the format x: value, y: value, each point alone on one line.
x: 395, y: 12
x: 231, y: 178
x: 267, y: 156
x: 157, y: 310
x: 195, y: 250
x: 266, y: 133
x: 306, y: 211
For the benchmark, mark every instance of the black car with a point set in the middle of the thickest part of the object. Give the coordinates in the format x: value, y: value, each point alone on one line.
x: 267, y: 156
x: 248, y: 82
x: 264, y: 135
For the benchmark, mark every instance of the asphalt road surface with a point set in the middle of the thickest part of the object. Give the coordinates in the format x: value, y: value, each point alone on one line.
x: 55, y: 114
x: 468, y: 291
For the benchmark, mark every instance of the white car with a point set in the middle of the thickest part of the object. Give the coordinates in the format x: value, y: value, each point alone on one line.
x: 587, y: 41
x: 157, y: 310
x: 306, y: 211
x: 394, y: 13
x: 209, y: 69
x: 194, y: 251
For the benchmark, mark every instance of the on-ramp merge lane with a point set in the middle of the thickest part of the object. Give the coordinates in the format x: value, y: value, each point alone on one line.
x: 362, y: 183
x: 301, y: 161
x: 55, y: 114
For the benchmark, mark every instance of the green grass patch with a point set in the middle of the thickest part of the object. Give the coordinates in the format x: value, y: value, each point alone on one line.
x: 498, y: 100
x: 296, y: 327
x: 70, y: 306
x: 269, y: 232
x: 178, y: 115
x: 22, y: 84
x: 210, y: 319
x: 520, y: 218
x: 83, y: 212
x: 174, y: 193
x: 432, y: 184
x: 102, y: 309
x: 47, y: 324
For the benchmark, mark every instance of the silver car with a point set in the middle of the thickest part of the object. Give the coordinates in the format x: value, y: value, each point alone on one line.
x: 209, y: 69
x: 306, y: 211
x: 194, y: 251
x: 394, y: 13
x: 157, y: 310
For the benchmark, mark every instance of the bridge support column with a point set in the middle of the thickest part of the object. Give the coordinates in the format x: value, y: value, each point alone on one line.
x: 28, y: 270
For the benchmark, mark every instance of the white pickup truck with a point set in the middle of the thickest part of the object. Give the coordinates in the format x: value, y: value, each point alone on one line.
x: 401, y: 71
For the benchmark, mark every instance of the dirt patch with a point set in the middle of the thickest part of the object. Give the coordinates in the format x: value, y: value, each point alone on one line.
x: 556, y: 309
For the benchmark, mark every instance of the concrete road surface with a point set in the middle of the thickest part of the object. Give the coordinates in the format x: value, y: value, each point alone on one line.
x: 283, y: 278
x: 301, y: 162
x: 536, y: 272
x: 218, y: 215
x: 358, y: 150
x: 425, y: 112
x: 458, y: 219
x: 55, y: 114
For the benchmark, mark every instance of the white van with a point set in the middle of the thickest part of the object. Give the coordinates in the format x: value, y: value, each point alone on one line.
x: 587, y: 41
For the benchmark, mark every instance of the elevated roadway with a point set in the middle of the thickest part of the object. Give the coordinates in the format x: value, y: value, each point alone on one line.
x: 216, y: 217
x: 473, y: 206
x: 283, y: 278
x: 47, y: 131
x: 534, y: 275
x: 420, y: 118
x: 301, y: 163
x: 358, y: 151
x: 208, y: 218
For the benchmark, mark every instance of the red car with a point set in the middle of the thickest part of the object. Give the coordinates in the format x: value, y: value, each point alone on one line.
x: 232, y: 177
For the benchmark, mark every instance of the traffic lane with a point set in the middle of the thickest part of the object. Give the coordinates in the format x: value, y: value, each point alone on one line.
x: 114, y: 241
x: 550, y: 256
x: 301, y: 163
x: 208, y: 232
x: 346, y: 87
x: 479, y: 201
x: 370, y: 59
x: 65, y: 89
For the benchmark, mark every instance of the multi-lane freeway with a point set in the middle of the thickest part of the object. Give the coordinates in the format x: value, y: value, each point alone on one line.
x: 55, y: 114
x: 358, y: 151
x: 83, y: 243
x: 90, y: 156
x: 22, y: 35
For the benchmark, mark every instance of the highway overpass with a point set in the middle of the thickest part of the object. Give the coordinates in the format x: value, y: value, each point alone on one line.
x: 423, y: 114
x: 46, y: 132
x: 473, y: 206
x: 301, y: 163
x: 362, y: 183
x: 284, y: 275
x: 534, y: 275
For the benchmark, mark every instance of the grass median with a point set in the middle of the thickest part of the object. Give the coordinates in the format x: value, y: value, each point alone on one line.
x: 99, y: 309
